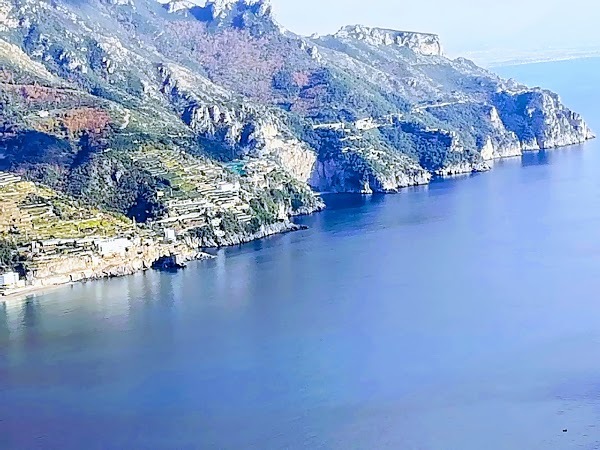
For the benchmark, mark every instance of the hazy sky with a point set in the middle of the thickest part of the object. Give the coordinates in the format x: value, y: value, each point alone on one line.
x: 463, y: 24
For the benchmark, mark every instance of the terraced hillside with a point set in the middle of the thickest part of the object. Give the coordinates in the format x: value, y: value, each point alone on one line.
x: 29, y: 212
x: 200, y: 194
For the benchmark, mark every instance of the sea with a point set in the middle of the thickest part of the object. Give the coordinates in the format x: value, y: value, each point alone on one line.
x: 462, y: 315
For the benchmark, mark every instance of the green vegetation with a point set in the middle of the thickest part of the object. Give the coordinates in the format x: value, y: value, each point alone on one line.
x: 113, y: 182
x: 284, y: 82
x: 264, y: 209
x: 431, y: 149
x: 229, y: 226
x: 513, y: 111
x: 9, y: 256
x: 33, y: 212
x: 342, y: 97
x: 470, y: 120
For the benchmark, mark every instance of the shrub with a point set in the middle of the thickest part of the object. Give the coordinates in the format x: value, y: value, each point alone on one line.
x: 284, y: 82
x: 9, y: 256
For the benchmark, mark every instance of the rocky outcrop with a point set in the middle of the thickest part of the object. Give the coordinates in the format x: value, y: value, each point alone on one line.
x: 421, y: 43
x: 219, y: 9
x: 540, y: 121
x: 493, y: 149
x: 251, y: 133
x: 555, y: 125
x: 294, y: 156
x: 501, y: 143
x: 352, y: 173
x: 530, y: 121
x: 550, y: 126
x: 284, y: 226
x: 398, y: 180
x: 120, y: 2
x: 170, y: 262
x: 253, y: 15
x: 174, y: 6
x: 249, y: 130
x: 23, y: 62
x: 462, y: 168
x: 7, y: 21
x: 92, y: 266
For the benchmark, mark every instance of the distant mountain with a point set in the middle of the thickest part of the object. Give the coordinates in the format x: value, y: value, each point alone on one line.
x: 513, y: 57
x: 145, y: 108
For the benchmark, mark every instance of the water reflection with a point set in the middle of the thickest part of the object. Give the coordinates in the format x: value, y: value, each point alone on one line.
x: 4, y: 323
x: 537, y: 158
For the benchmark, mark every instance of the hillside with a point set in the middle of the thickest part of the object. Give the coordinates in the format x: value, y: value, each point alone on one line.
x: 215, y: 121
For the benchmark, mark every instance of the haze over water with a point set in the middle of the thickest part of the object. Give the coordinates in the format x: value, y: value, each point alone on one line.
x: 463, y: 315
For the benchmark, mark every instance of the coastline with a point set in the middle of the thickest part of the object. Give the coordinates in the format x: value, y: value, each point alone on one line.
x: 132, y: 266
x: 244, y: 238
x: 195, y: 247
x: 28, y: 293
x: 62, y: 272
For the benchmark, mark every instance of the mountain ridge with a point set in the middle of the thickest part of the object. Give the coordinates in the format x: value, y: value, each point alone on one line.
x: 262, y: 115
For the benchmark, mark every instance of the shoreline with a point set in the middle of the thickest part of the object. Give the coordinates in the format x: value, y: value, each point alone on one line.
x: 16, y: 295
x: 31, y: 292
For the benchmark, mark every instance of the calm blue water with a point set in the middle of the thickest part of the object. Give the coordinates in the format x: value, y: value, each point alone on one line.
x: 464, y: 315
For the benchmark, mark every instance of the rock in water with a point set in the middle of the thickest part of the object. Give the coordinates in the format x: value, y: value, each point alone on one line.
x: 169, y: 263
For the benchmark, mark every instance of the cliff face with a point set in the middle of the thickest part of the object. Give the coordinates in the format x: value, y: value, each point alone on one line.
x: 234, y: 125
x: 363, y: 110
x: 421, y: 43
x: 540, y: 121
x: 93, y: 266
x: 340, y: 175
x: 284, y: 226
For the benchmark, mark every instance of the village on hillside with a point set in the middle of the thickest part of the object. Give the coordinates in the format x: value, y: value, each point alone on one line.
x: 61, y: 241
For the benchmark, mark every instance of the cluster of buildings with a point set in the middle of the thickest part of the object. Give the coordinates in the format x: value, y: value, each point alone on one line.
x: 27, y: 215
x: 198, y: 189
x: 50, y: 262
x: 196, y: 193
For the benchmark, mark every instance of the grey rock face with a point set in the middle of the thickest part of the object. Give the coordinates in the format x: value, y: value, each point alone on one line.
x: 422, y: 43
x: 174, y: 6
x: 247, y: 129
x: 354, y: 172
x: 284, y: 226
x: 220, y: 8
x: 547, y: 123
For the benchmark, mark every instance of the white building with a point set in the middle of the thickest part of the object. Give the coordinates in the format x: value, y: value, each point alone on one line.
x: 111, y: 247
x: 170, y: 235
x: 9, y: 279
x: 229, y: 187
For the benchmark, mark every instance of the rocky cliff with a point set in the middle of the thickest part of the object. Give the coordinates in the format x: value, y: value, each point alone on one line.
x: 243, y: 237
x: 422, y: 43
x: 94, y: 266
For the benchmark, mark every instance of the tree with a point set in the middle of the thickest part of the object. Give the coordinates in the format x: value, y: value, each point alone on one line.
x: 9, y: 256
x: 284, y: 82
